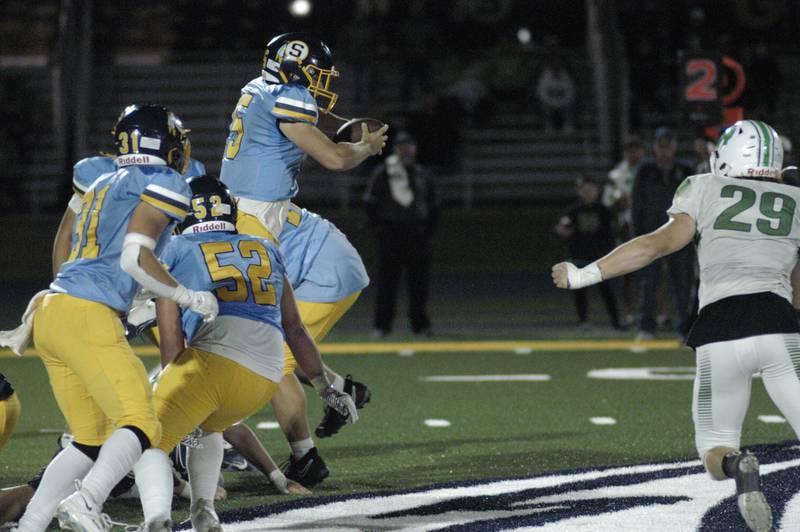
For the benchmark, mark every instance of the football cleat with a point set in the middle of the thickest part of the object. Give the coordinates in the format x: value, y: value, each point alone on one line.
x: 204, y: 518
x: 333, y: 421
x: 751, y: 501
x: 309, y: 470
x: 80, y: 513
x: 232, y: 460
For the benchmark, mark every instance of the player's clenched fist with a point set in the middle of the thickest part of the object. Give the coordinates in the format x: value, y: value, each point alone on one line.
x: 567, y: 275
x: 560, y: 277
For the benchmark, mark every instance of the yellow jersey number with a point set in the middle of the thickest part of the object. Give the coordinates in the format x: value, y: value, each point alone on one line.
x: 234, y: 141
x: 86, y: 246
x: 257, y: 273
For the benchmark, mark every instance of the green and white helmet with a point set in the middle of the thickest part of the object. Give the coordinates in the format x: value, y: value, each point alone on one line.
x: 749, y: 148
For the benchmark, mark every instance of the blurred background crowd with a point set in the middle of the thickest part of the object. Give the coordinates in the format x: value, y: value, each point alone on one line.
x: 510, y: 102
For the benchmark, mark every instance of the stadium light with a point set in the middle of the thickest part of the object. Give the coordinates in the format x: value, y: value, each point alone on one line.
x: 524, y: 35
x: 300, y: 8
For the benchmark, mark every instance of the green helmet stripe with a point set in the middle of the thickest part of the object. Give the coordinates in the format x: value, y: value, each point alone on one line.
x: 758, y: 132
x: 767, y: 142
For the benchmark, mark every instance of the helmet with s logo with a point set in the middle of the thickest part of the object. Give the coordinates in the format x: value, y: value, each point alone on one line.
x: 299, y: 58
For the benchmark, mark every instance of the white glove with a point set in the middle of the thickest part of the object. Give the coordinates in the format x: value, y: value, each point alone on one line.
x: 341, y: 402
x: 202, y: 302
x: 279, y: 481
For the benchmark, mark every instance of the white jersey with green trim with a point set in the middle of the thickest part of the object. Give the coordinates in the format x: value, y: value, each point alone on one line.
x: 749, y: 233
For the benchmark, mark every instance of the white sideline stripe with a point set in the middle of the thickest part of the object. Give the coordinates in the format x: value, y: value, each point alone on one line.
x: 772, y: 419
x: 268, y: 425
x: 437, y: 423
x: 406, y: 353
x: 485, y: 378
x: 523, y: 351
x: 603, y: 420
x: 51, y: 431
x: 168, y: 193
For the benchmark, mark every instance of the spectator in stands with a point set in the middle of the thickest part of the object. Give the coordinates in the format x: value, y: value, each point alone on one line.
x: 617, y: 197
x: 402, y: 208
x: 702, y: 148
x: 588, y: 228
x: 651, y: 196
x: 555, y: 89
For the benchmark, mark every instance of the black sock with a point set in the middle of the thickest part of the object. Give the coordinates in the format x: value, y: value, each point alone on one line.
x: 144, y: 441
x: 729, y: 464
x: 92, y: 451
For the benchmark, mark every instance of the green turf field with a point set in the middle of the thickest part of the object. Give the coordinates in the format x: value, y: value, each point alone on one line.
x: 497, y: 429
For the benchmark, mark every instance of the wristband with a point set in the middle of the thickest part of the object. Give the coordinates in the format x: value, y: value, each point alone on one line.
x: 278, y: 478
x: 582, y: 277
x: 182, y: 296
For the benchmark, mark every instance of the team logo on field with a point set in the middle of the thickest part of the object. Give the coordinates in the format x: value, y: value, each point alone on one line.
x: 673, y: 496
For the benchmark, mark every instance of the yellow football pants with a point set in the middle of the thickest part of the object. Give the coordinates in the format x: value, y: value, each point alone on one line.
x: 98, y: 381
x: 201, y: 389
x: 319, y: 318
x: 10, y: 410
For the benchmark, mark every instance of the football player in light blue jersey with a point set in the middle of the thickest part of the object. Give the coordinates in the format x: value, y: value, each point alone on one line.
x: 99, y: 384
x: 231, y: 366
x: 327, y: 275
x: 273, y: 128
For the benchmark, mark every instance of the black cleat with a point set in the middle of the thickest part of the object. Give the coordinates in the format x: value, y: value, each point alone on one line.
x: 309, y: 470
x: 333, y: 421
x: 751, y: 501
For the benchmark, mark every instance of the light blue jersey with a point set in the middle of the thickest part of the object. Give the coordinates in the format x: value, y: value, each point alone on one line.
x: 260, y: 163
x: 92, y: 270
x: 87, y: 170
x: 322, y: 265
x: 229, y: 264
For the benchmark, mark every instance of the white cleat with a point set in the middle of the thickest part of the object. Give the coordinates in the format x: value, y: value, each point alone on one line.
x: 751, y: 501
x: 80, y: 513
x: 204, y: 518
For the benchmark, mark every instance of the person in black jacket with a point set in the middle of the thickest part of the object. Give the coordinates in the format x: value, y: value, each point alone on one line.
x: 653, y: 189
x: 402, y: 209
x: 587, y: 226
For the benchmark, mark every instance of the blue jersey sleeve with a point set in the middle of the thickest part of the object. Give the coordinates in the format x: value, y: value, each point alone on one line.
x: 293, y: 103
x: 196, y: 168
x: 168, y: 192
x: 87, y: 170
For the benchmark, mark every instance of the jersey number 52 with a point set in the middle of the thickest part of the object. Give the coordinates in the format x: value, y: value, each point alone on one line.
x: 237, y: 289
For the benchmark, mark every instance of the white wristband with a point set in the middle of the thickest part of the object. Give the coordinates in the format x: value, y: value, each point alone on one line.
x: 278, y: 479
x: 582, y: 277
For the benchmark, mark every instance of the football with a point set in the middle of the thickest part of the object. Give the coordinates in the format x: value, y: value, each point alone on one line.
x: 350, y: 131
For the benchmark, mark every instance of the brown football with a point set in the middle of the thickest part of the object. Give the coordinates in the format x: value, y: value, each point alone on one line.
x: 350, y: 131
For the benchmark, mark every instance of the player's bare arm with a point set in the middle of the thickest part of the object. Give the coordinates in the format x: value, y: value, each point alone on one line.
x: 307, y: 355
x: 630, y: 256
x: 168, y: 318
x: 796, y: 286
x: 61, y: 244
x: 336, y: 156
x: 244, y: 440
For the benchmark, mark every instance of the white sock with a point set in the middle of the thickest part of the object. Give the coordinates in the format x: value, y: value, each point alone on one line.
x: 300, y: 448
x: 57, y: 483
x: 203, y: 464
x: 117, y: 457
x: 154, y: 481
x: 338, y: 383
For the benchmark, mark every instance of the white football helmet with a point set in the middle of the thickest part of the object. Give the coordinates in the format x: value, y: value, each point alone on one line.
x: 748, y: 148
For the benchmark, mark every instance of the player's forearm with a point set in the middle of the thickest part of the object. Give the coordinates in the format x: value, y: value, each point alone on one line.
x: 795, y: 280
x: 347, y: 156
x: 170, y: 328
x: 305, y: 351
x: 61, y: 244
x: 242, y: 438
x: 629, y: 257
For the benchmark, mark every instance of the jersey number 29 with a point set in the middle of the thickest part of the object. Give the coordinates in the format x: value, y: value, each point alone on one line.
x: 782, y: 212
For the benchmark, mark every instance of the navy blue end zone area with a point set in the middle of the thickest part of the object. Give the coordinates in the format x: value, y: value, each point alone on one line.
x: 672, y: 494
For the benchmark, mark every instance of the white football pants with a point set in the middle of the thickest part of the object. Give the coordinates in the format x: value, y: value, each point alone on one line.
x: 722, y: 385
